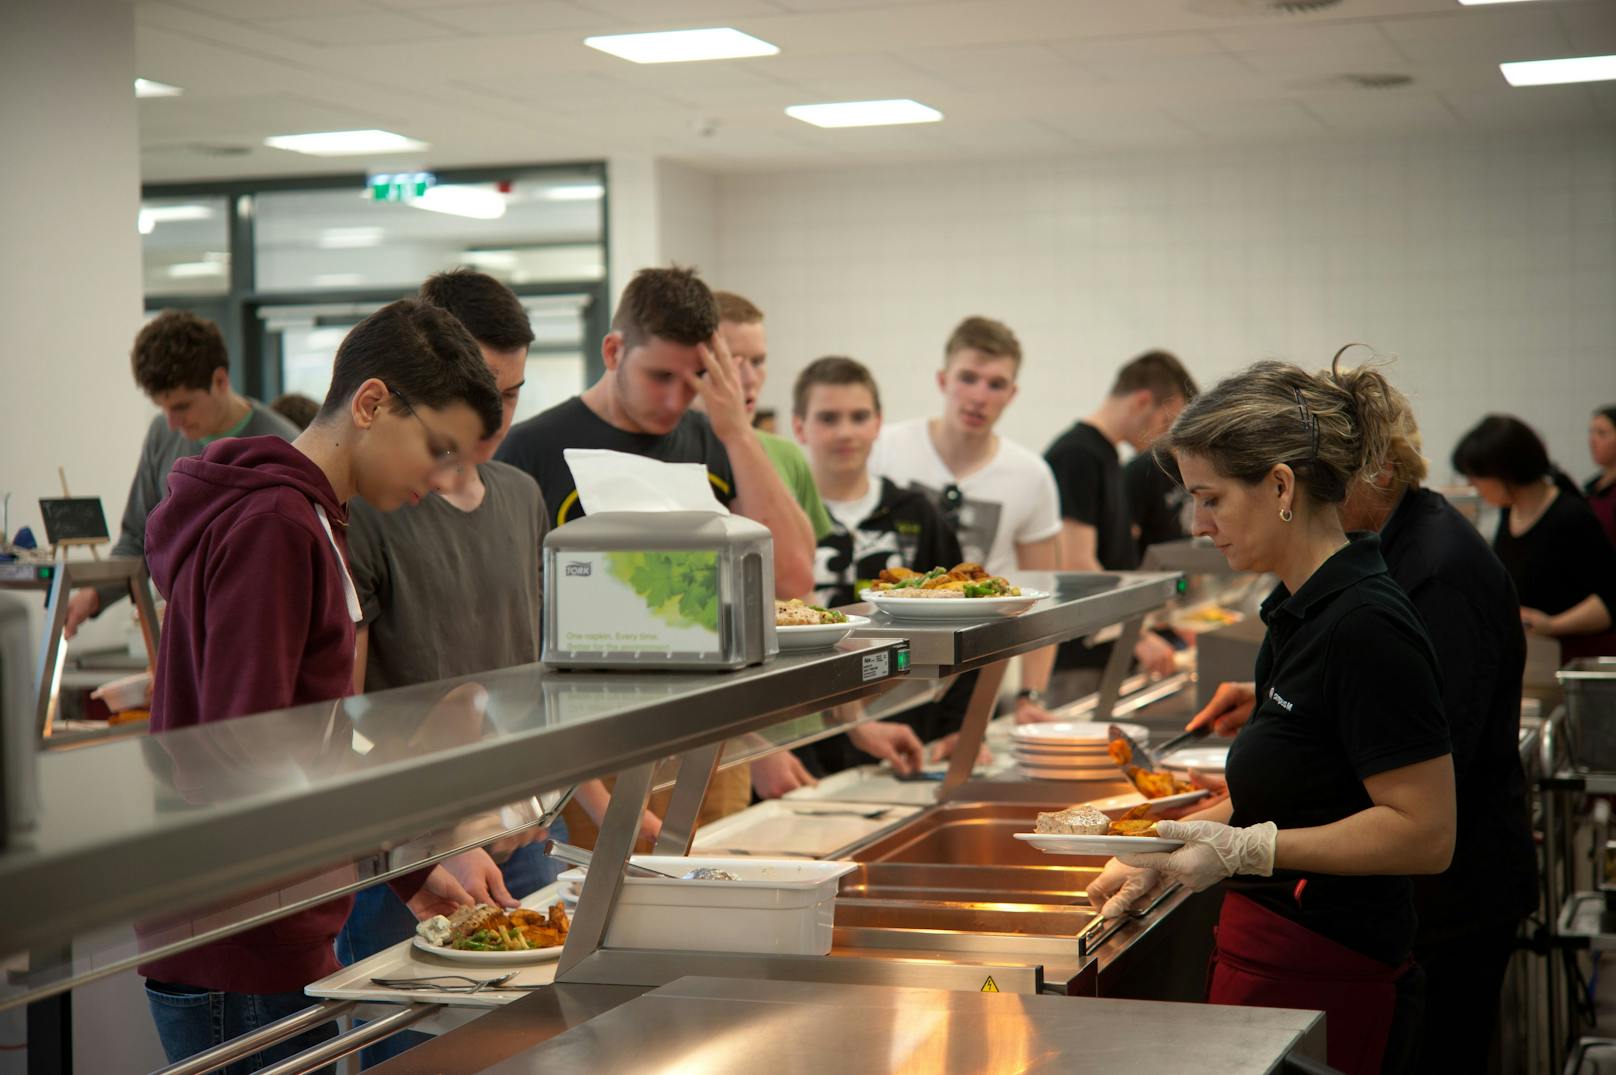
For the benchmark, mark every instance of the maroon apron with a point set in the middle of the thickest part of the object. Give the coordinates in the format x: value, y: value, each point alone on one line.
x: 1263, y: 959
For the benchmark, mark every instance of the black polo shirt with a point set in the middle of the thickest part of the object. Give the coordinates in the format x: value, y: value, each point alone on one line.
x: 1467, y: 601
x: 1155, y: 502
x: 1347, y: 688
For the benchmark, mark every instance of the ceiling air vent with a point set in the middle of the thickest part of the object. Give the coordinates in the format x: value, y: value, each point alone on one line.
x: 1384, y: 80
x: 1248, y: 8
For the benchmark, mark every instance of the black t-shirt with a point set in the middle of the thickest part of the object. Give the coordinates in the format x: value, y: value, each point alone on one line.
x: 1464, y: 595
x: 1088, y: 473
x: 536, y: 444
x: 904, y: 530
x: 1562, y: 559
x: 1155, y: 502
x: 1347, y: 688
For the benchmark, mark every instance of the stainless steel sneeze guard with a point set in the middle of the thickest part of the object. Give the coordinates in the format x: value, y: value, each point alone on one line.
x: 168, y: 822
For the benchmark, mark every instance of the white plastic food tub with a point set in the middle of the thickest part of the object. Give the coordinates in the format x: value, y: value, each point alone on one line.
x: 130, y: 692
x: 785, y: 906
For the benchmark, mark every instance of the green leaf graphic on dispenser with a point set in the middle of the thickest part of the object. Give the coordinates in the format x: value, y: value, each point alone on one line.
x: 680, y: 588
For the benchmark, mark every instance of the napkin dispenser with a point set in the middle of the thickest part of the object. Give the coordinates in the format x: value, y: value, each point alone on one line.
x: 660, y: 589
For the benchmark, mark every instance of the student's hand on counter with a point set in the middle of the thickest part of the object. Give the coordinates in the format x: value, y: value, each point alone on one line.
x: 1229, y: 709
x: 80, y: 607
x: 896, y: 744
x: 1212, y: 851
x: 943, y: 749
x: 442, y: 894
x: 1155, y: 654
x: 778, y: 773
x: 1031, y: 712
x: 1118, y: 886
x: 720, y: 391
x: 479, y: 875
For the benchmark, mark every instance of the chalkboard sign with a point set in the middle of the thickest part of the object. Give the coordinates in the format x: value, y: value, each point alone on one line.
x: 79, y: 519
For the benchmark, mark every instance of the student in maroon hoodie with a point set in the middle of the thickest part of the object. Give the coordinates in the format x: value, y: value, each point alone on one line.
x: 248, y: 548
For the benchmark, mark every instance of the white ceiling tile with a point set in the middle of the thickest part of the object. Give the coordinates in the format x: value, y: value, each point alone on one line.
x: 373, y: 28
x: 1507, y: 106
x: 543, y: 17
x: 1371, y: 111
x: 1310, y: 36
x: 1138, y: 49
x: 1249, y: 119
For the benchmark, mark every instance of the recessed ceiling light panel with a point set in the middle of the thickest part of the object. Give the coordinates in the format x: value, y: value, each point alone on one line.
x: 344, y: 143
x: 683, y: 46
x: 865, y: 113
x: 145, y: 87
x: 1560, y: 72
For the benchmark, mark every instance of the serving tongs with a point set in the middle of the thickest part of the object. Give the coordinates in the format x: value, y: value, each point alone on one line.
x: 1129, y: 756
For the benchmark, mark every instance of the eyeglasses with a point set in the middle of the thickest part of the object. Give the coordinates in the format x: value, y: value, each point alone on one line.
x: 445, y: 458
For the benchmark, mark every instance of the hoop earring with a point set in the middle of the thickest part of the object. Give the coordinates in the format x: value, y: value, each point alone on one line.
x: 1285, y: 515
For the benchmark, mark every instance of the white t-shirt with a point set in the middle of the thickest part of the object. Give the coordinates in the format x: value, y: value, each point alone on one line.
x: 850, y: 513
x: 1011, y: 501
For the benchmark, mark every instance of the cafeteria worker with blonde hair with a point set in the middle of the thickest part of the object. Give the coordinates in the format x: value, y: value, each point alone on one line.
x: 1341, y: 784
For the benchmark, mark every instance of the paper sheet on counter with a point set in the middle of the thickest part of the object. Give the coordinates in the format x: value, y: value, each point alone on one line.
x: 618, y: 481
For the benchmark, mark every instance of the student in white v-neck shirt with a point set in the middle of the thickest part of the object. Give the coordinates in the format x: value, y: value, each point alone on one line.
x: 1000, y: 497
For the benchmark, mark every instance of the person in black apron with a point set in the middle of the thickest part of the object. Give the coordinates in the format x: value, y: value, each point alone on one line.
x: 1341, y: 784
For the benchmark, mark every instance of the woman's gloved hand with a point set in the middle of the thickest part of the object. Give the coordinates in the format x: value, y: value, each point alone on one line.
x: 1114, y: 892
x: 1212, y: 851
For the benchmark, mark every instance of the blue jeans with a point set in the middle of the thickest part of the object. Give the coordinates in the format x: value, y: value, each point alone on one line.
x: 380, y: 919
x: 190, y: 1020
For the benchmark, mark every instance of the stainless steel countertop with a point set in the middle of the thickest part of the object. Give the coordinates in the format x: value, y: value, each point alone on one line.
x: 723, y: 1026
x: 1082, y: 603
x: 178, y: 820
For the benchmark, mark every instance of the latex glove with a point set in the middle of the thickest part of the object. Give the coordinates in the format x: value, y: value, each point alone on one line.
x: 1212, y: 851
x: 896, y: 744
x: 778, y: 773
x: 480, y: 876
x: 1114, y: 892
x: 1229, y: 709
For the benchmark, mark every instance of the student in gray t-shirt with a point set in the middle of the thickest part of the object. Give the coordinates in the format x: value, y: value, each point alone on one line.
x: 180, y: 362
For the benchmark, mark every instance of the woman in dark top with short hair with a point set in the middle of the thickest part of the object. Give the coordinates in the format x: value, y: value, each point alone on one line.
x: 1601, y: 488
x: 1563, y: 566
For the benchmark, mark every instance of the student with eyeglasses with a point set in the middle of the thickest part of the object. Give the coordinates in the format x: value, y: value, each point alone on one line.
x: 999, y: 496
x: 469, y: 553
x: 249, y: 550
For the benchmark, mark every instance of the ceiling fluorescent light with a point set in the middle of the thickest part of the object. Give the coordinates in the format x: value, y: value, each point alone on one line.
x: 865, y: 113
x: 145, y: 87
x: 479, y: 203
x: 682, y: 46
x: 574, y: 192
x: 1559, y: 72
x: 344, y: 143
x: 349, y: 238
x: 152, y: 215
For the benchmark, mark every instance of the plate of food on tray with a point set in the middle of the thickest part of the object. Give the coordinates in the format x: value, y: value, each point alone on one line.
x: 1085, y: 830
x: 963, y: 592
x: 492, y: 936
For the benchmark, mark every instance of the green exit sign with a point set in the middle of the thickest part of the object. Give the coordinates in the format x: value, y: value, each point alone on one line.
x: 400, y: 186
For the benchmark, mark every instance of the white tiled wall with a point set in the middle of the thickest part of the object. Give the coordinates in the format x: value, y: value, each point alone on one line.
x: 1487, y: 266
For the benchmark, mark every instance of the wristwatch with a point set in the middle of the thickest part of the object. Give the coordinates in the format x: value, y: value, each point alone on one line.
x: 1027, y: 693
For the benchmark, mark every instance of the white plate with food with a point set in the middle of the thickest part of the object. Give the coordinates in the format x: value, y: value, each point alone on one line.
x: 799, y: 638
x: 916, y: 607
x: 1117, y: 805
x: 1097, y: 845
x: 491, y: 937
x: 1074, y: 733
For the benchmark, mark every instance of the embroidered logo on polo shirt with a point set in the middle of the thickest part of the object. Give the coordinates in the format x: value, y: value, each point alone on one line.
x: 1274, y: 696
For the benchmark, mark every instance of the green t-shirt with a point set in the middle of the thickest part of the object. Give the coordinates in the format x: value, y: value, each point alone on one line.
x: 793, y: 470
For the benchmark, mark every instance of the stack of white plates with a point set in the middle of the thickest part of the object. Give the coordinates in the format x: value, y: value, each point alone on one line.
x: 1069, y: 750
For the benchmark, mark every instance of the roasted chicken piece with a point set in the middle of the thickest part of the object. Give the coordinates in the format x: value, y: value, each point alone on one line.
x: 896, y: 574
